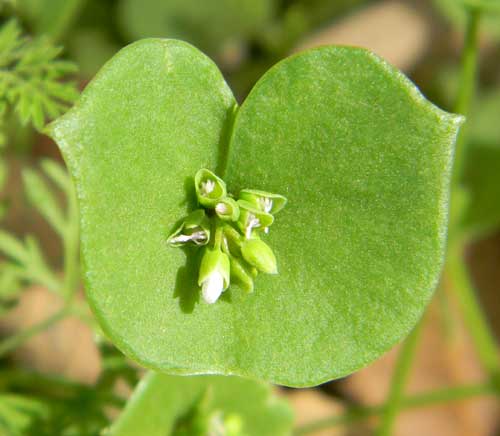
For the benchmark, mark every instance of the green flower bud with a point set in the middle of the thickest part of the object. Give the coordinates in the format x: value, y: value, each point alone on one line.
x: 210, y: 189
x: 257, y: 253
x: 265, y: 201
x: 195, y: 228
x: 241, y: 276
x: 252, y: 218
x: 233, y: 238
x: 241, y: 272
x: 214, y: 274
x: 227, y: 209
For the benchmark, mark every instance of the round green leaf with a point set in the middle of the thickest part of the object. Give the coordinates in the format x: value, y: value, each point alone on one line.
x: 361, y: 156
x: 161, y: 402
x: 364, y: 161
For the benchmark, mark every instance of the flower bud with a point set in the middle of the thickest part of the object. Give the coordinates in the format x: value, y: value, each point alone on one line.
x: 241, y: 276
x: 195, y: 228
x: 233, y: 237
x: 257, y: 253
x: 214, y: 274
x: 264, y: 201
x: 227, y: 209
x: 210, y: 189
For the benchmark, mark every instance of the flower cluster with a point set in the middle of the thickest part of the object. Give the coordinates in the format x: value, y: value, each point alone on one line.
x: 229, y: 231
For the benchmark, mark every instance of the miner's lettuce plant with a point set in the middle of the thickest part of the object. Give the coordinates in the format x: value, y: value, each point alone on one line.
x: 362, y: 157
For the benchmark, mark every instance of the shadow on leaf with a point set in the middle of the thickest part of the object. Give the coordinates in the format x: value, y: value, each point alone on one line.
x: 186, y: 281
x: 190, y: 194
x: 186, y: 286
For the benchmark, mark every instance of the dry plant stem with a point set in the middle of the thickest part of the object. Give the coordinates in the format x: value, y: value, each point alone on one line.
x: 360, y: 413
x: 398, y: 382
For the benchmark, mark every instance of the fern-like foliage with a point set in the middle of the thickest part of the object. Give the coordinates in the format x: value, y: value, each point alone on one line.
x: 32, y: 77
x: 24, y: 262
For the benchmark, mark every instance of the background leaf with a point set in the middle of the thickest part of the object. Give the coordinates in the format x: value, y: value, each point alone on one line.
x: 359, y: 245
x: 482, y: 181
x: 51, y: 17
x: 483, y: 126
x: 161, y: 401
x: 30, y: 79
x: 456, y: 11
x: 18, y: 414
x: 482, y: 167
x: 43, y: 199
x: 209, y: 25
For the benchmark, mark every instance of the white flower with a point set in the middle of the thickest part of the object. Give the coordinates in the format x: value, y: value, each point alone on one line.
x: 252, y: 223
x: 214, y: 274
x: 207, y: 187
x: 266, y: 204
x: 199, y: 238
x: 212, y: 287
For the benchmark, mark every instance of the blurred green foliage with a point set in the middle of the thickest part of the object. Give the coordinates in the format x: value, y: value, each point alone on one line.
x: 52, y: 18
x: 30, y: 77
x: 211, y: 26
x: 455, y: 12
x: 204, y: 405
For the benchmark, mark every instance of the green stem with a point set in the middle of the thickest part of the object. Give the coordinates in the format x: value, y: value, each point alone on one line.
x: 225, y: 139
x: 468, y: 79
x: 455, y: 268
x: 360, y: 413
x: 12, y: 342
x: 81, y: 311
x: 398, y: 383
x: 448, y: 322
x: 71, y: 248
x: 53, y: 386
x: 472, y: 312
x: 44, y: 277
x: 71, y: 268
x: 21, y: 380
x: 218, y: 234
x: 446, y: 395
